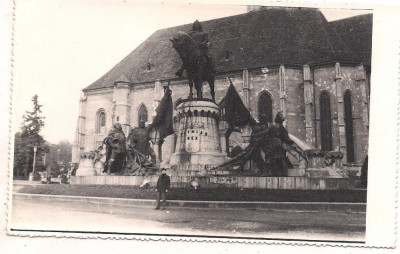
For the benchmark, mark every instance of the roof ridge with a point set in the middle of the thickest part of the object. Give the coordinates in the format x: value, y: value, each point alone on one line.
x: 259, y: 38
x: 325, y: 26
x: 352, y: 17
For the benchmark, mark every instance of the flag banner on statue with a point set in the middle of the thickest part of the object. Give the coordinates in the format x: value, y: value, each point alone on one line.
x: 233, y: 109
x: 162, y: 122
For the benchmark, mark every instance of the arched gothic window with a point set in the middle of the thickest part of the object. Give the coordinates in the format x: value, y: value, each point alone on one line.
x: 100, y: 121
x: 326, y: 124
x: 348, y: 121
x: 142, y: 114
x: 264, y: 106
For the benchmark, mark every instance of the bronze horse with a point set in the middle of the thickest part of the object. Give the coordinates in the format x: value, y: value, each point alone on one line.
x: 198, y: 68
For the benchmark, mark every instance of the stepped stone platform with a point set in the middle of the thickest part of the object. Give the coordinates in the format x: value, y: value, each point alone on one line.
x: 248, y: 182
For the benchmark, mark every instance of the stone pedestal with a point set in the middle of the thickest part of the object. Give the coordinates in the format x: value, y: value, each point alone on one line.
x: 86, y: 165
x: 198, y: 146
x: 321, y: 165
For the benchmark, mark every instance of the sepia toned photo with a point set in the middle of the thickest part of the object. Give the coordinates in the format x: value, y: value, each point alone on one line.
x: 239, y: 122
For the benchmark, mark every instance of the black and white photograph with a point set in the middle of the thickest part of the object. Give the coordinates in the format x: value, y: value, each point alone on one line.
x: 194, y: 120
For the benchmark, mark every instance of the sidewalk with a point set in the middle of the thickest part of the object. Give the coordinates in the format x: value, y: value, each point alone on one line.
x: 25, y: 182
x: 18, y: 184
x: 31, y: 213
x: 119, y: 202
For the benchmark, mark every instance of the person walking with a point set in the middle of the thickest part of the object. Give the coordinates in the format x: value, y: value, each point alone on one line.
x: 162, y: 188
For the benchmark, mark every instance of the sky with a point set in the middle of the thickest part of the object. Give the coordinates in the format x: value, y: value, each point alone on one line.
x: 62, y: 46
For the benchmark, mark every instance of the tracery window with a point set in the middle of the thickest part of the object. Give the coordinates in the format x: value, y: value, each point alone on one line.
x: 264, y: 106
x: 142, y: 113
x: 326, y: 123
x: 100, y: 121
x: 348, y: 121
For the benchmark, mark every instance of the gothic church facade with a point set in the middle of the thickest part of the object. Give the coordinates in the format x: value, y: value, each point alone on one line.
x: 279, y: 59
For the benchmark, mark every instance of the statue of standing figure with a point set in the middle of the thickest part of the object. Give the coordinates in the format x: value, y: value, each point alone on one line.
x: 192, y: 48
x: 276, y: 144
x: 258, y: 141
x: 139, y: 145
x: 115, y: 150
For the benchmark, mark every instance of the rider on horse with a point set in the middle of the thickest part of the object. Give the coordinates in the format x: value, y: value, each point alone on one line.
x: 201, y: 42
x: 192, y: 48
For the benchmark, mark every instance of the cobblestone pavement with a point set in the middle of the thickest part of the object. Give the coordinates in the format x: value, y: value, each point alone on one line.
x: 255, y: 223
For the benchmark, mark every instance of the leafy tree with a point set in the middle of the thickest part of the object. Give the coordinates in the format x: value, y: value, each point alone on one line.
x: 59, y: 158
x: 65, y: 152
x: 27, y: 139
x: 19, y: 155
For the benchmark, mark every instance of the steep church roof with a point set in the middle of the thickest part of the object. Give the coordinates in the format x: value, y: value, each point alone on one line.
x: 274, y: 36
x: 354, y: 38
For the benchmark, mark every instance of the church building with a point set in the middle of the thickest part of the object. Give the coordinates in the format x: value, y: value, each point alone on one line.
x: 279, y: 59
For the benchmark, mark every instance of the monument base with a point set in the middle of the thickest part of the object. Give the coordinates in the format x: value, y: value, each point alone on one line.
x: 198, y: 146
x: 88, y: 166
x: 327, y: 172
x: 197, y: 163
x: 241, y: 182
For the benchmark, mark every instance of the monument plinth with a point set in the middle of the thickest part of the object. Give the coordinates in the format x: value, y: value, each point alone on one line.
x: 198, y: 145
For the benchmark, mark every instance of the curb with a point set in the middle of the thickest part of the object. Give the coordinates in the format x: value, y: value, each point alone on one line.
x: 289, y: 206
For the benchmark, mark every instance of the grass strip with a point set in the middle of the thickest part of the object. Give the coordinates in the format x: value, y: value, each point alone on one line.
x: 214, y: 194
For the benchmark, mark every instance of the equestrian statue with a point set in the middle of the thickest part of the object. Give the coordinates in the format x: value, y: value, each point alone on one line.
x: 192, y: 48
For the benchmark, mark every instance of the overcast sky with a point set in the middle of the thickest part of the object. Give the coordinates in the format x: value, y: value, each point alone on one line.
x: 62, y: 46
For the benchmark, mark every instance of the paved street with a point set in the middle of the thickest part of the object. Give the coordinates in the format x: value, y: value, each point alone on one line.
x: 79, y: 216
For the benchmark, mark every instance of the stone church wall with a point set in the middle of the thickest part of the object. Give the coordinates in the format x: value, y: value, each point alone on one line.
x: 142, y: 94
x: 328, y: 79
x: 295, y: 103
x: 268, y: 82
x: 351, y: 82
x: 97, y: 101
x: 325, y: 78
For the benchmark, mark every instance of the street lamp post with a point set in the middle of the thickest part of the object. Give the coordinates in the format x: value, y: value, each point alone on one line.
x: 32, y: 175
